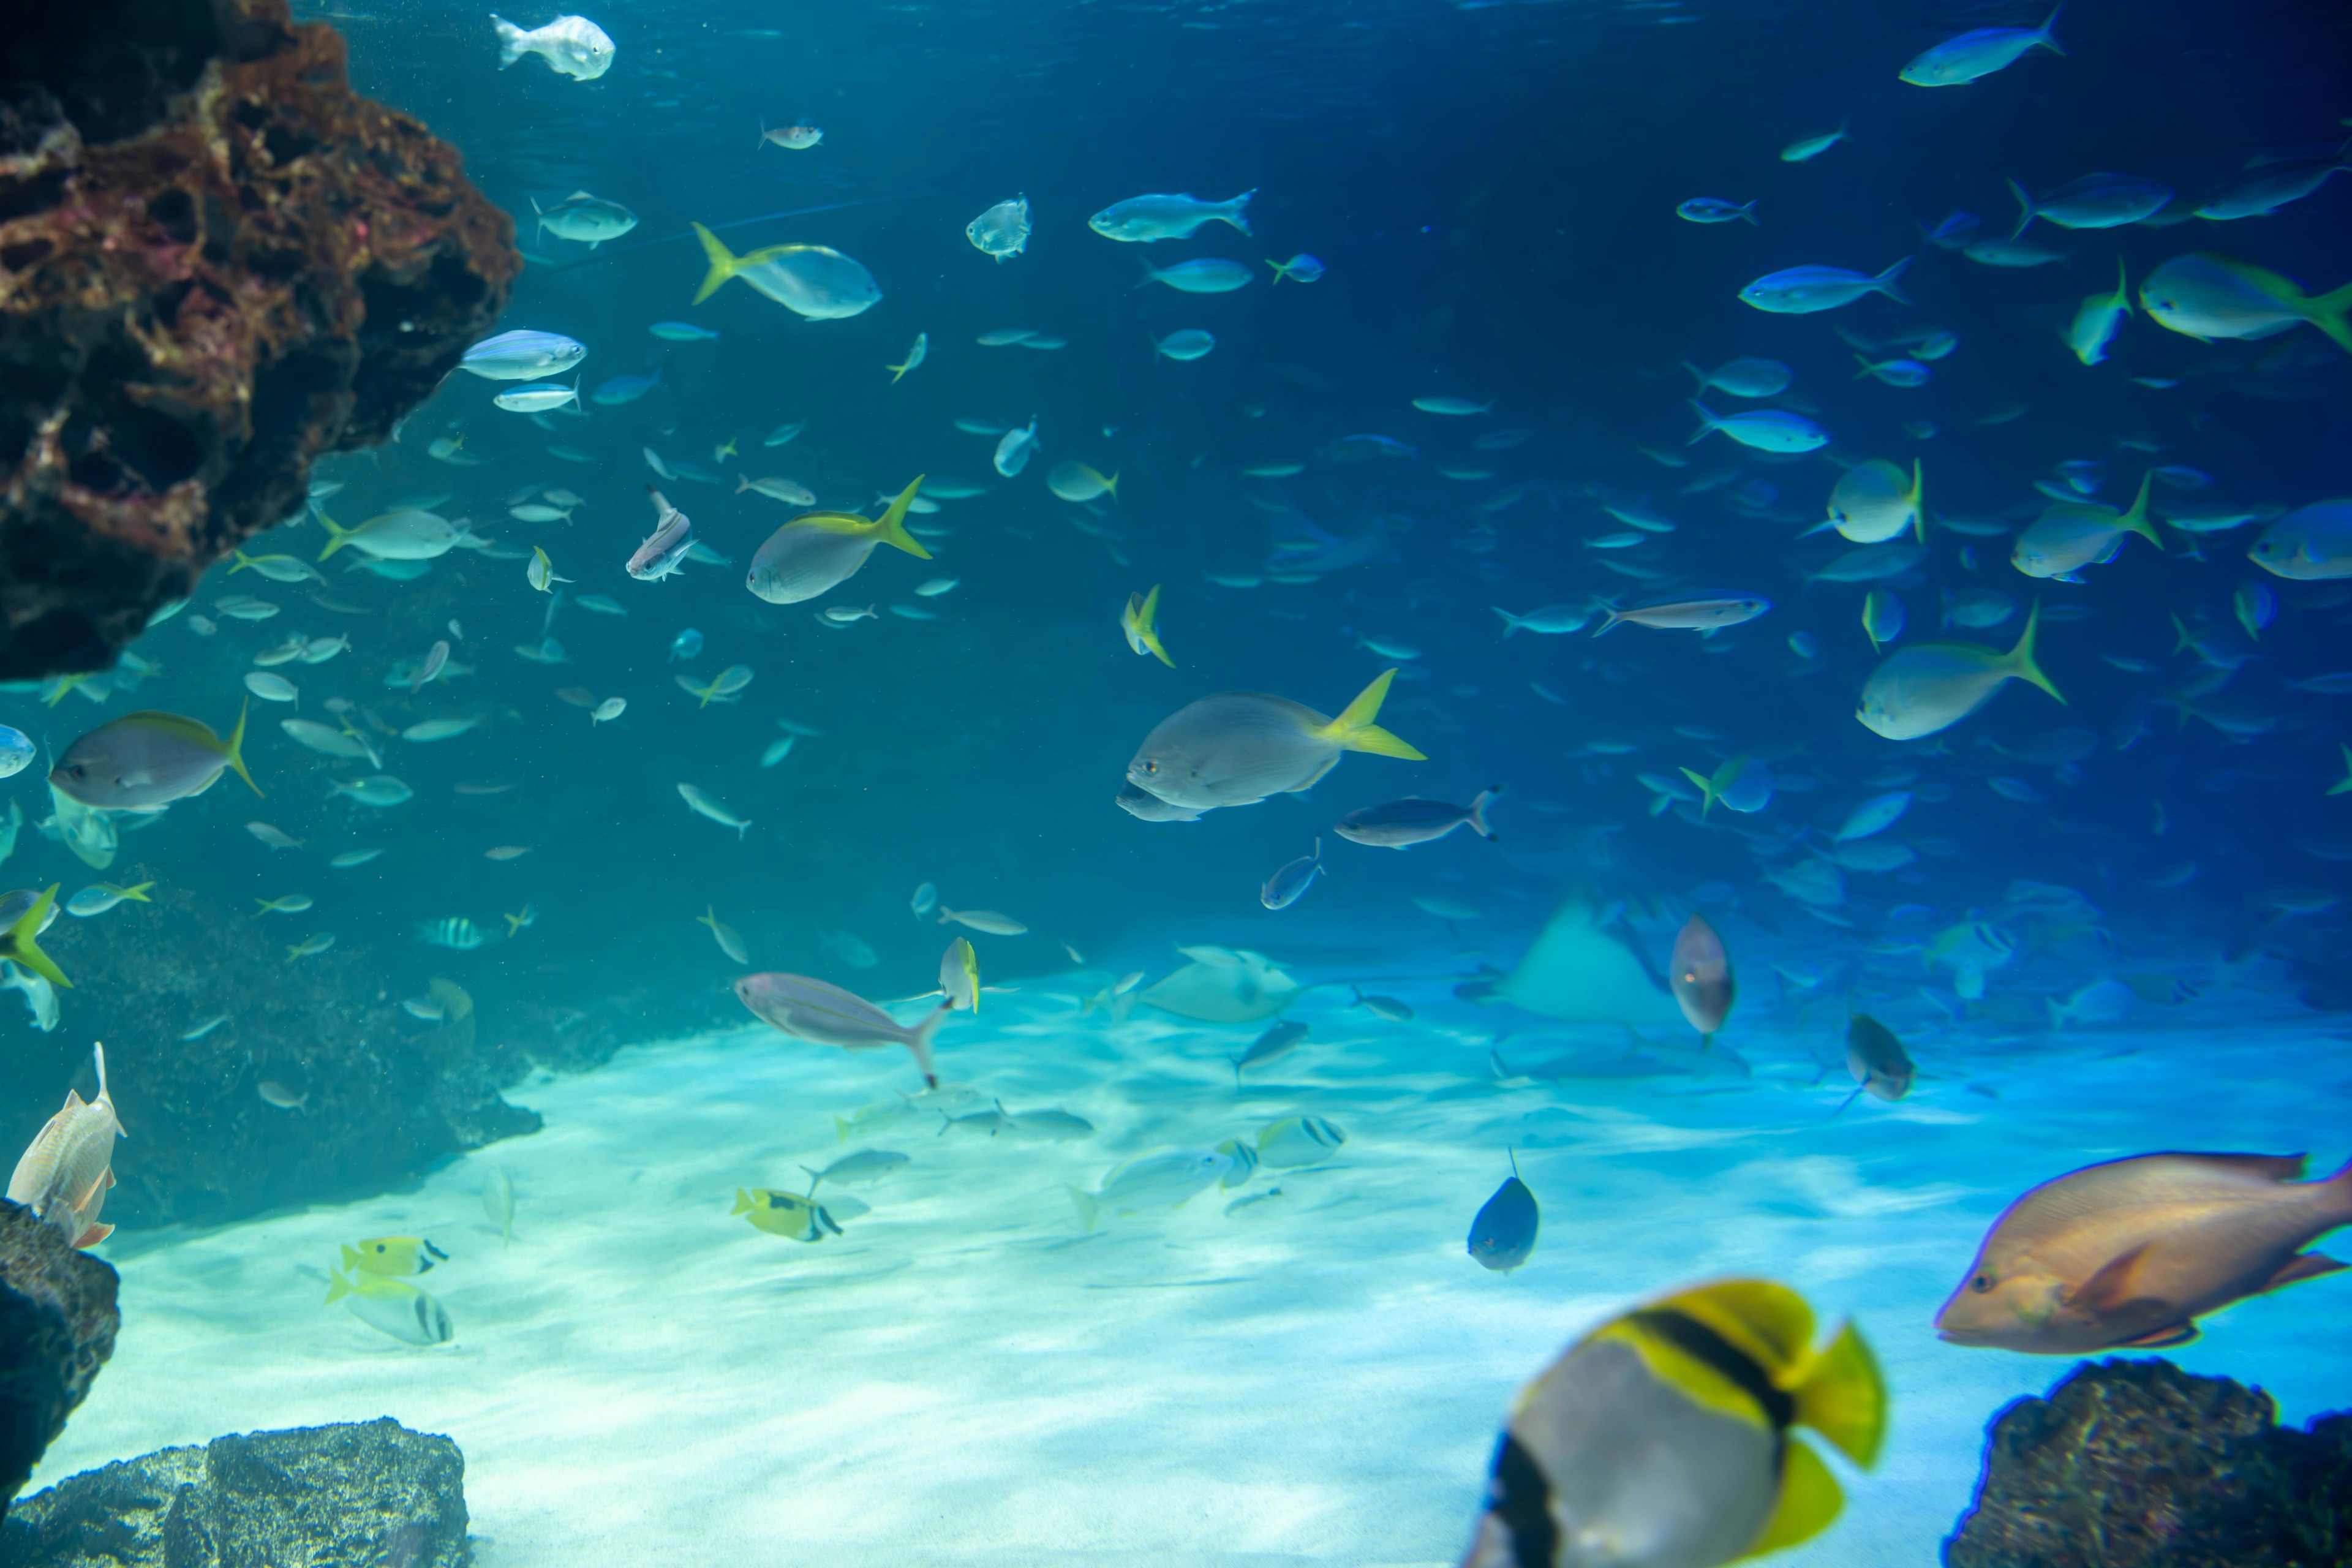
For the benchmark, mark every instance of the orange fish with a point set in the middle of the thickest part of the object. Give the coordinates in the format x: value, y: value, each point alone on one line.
x: 63, y: 1177
x: 2132, y: 1252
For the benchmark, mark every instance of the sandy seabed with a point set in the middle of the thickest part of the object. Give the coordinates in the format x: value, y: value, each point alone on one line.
x: 964, y: 1377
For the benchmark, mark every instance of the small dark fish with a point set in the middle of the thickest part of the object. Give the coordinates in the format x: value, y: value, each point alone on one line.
x: 1278, y: 1041
x: 1413, y: 820
x: 1388, y: 1007
x: 1289, y: 885
x: 1880, y: 1066
x: 1505, y: 1231
x: 1701, y: 978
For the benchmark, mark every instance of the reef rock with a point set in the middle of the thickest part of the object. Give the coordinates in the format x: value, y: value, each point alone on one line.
x: 57, y: 1321
x: 216, y: 262
x: 2137, y: 1464
x: 372, y: 1493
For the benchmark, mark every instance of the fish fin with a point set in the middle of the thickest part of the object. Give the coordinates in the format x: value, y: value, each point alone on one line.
x: 2025, y: 212
x: 19, y: 942
x: 890, y: 527
x: 1708, y: 422
x: 234, y: 753
x: 1918, y: 503
x: 722, y: 265
x: 1809, y: 1498
x: 2020, y: 658
x: 1355, y: 732
x: 743, y: 1205
x: 93, y: 1235
x: 2046, y: 41
x: 2161, y: 1338
x: 1477, y: 817
x: 1147, y: 628
x: 337, y: 534
x: 1885, y: 281
x: 2111, y: 1286
x: 2329, y: 313
x: 919, y: 1042
x: 1615, y: 618
x: 1090, y: 1210
x: 2303, y: 1266
x: 351, y: 1259
x: 1239, y: 217
x: 1843, y: 1398
x: 2136, y: 520
x: 511, y: 49
x: 337, y: 1288
x: 1706, y: 790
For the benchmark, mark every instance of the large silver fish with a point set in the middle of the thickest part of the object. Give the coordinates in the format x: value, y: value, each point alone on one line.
x: 1236, y: 748
x: 825, y: 1015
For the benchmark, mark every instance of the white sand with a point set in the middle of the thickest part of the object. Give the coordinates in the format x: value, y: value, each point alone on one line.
x: 961, y: 1378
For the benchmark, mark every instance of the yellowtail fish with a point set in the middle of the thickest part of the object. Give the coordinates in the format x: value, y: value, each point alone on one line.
x: 1139, y: 623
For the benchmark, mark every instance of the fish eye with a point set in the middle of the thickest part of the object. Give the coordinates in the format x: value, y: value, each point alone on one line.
x: 1980, y: 1284
x: 1152, y: 767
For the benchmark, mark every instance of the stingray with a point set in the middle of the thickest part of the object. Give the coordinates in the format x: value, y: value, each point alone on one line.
x: 1580, y: 972
x: 1224, y: 987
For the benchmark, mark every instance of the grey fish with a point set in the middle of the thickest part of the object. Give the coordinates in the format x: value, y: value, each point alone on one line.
x: 1278, y: 1041
x: 1413, y: 820
x: 862, y: 1169
x: 1504, y: 1233
x: 1289, y: 884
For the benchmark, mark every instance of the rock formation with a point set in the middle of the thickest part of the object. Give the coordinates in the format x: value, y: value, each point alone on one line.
x: 216, y: 262
x: 56, y: 1328
x: 373, y: 1493
x: 2135, y: 1464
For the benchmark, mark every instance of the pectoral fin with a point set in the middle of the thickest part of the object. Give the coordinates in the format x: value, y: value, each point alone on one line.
x: 2111, y: 1288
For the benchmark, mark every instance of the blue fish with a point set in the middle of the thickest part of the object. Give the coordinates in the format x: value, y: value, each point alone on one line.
x: 1504, y: 1233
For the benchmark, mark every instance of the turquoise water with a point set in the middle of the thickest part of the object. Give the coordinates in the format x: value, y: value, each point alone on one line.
x: 2101, y: 928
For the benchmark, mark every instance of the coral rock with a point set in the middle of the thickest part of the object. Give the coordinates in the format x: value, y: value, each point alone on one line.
x: 2135, y: 1464
x: 57, y: 1321
x: 372, y: 1493
x: 216, y: 263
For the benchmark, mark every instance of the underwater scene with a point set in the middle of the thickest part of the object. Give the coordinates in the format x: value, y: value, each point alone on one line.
x: 1188, y: 781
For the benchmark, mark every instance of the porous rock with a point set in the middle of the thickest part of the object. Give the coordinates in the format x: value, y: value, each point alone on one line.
x: 371, y: 1493
x: 57, y: 1321
x: 2137, y: 1464
x: 216, y: 263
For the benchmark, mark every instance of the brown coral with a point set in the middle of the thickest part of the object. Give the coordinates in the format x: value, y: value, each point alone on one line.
x: 216, y: 262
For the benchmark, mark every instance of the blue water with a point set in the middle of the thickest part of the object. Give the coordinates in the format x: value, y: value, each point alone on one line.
x: 1493, y: 191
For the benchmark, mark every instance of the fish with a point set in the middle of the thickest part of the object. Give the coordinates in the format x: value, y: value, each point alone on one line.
x: 682, y: 333
x: 1144, y: 219
x: 1078, y: 482
x: 2098, y: 320
x: 988, y: 921
x: 1238, y: 747
x: 1169, y: 1178
x: 825, y: 1015
x: 797, y: 137
x: 2131, y: 1253
x: 862, y: 1168
x: 1579, y: 970
x: 788, y: 1215
x: 271, y: 687
x: 1705, y: 613
x: 1223, y: 985
x: 2071, y: 535
x: 1881, y: 617
x: 1874, y: 816
x: 1765, y: 429
x: 816, y: 553
x: 1881, y: 1068
x: 1296, y: 1143
x: 1978, y: 53
x: 936, y: 586
x: 589, y: 220
x: 1802, y: 290
x: 1699, y: 975
x: 1714, y: 209
x: 1152, y: 809
x: 408, y: 535
x: 1275, y: 1044
x: 393, y: 1307
x: 703, y: 805
x: 379, y: 790
x: 721, y: 688
x: 1875, y: 501
x: 2095, y: 201
x: 2010, y: 253
x: 959, y: 975
x: 1002, y: 231
x: 730, y: 941
x: 2100, y: 1001
x: 100, y: 897
x: 351, y: 857
x: 1139, y: 623
x: 1668, y: 1434
x: 17, y: 753
x: 1744, y: 377
x: 278, y: 1097
x: 1503, y: 1233
x: 1185, y: 344
x: 1300, y: 268
x: 2207, y: 296
x: 664, y: 550
x: 276, y: 568
x: 454, y: 933
x: 572, y: 46
x: 1384, y: 1008
x: 2310, y: 544
x: 1925, y: 687
x: 1460, y: 408
x: 811, y: 281
x: 1550, y: 620
x: 618, y: 392
x: 393, y: 1257
x: 519, y: 356
x: 1290, y: 881
x: 1202, y: 275
x: 144, y: 761
x: 1401, y: 823
x: 2261, y: 194
x: 65, y: 1172
x: 437, y: 729
x: 1805, y: 149
x: 1015, y: 449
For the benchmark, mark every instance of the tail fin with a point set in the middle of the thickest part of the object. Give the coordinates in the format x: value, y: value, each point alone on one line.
x: 1885, y: 282
x: 1700, y: 375
x: 1918, y: 501
x: 337, y: 535
x: 2026, y: 210
x: 1707, y: 792
x: 235, y: 754
x: 841, y: 1130
x: 1616, y: 616
x: 1090, y: 1209
x: 1236, y: 212
x: 742, y: 483
x: 762, y: 141
x: 2136, y: 520
x: 1151, y: 274
x: 2020, y: 658
x: 511, y: 49
x: 337, y: 1286
x: 138, y: 892
x: 1146, y: 626
x: 20, y: 941
x: 2046, y: 41
x: 2328, y: 311
x: 723, y: 264
x: 890, y: 527
x: 1111, y: 486
x: 919, y: 1042
x: 1487, y: 797
x: 1281, y: 270
x: 1511, y: 623
x: 1707, y: 422
x: 1355, y: 732
x: 1843, y: 1397
x: 743, y: 1203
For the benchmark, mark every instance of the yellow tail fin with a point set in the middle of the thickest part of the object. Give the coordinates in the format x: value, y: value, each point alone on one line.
x: 1843, y: 1397
x: 19, y: 941
x: 723, y: 264
x: 890, y: 527
x: 243, y: 561
x: 2136, y: 520
x: 337, y: 1286
x: 2020, y: 658
x: 2328, y: 311
x: 743, y: 1203
x: 1110, y: 487
x: 337, y: 534
x: 1354, y: 728
x: 1918, y: 503
x: 1146, y: 626
x: 235, y: 754
x: 138, y: 892
x: 1706, y: 790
